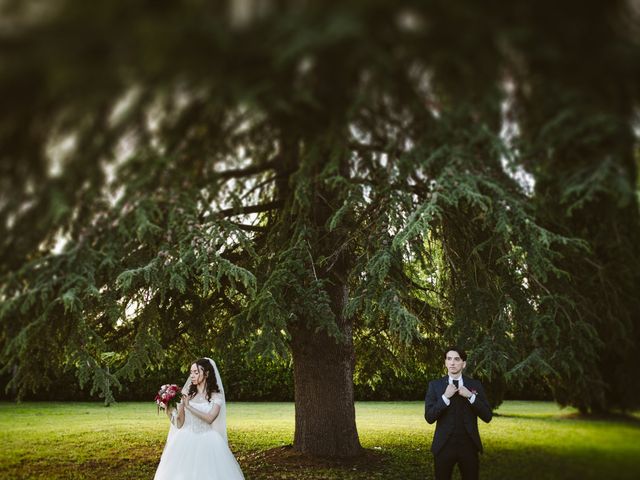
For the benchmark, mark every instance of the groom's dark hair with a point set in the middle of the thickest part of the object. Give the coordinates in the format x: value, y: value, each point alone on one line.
x: 455, y: 348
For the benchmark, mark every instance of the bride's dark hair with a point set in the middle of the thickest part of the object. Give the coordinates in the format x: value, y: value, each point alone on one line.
x: 210, y: 379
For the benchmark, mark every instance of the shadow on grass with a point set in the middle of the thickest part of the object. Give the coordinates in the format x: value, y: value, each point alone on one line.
x: 625, y: 418
x: 500, y: 463
x: 620, y: 418
x: 562, y: 463
x: 285, y: 462
x: 51, y: 469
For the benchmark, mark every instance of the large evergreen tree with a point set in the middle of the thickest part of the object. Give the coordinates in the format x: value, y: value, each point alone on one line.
x: 577, y: 112
x: 302, y: 175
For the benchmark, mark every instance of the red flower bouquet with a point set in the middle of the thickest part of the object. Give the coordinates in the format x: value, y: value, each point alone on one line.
x: 168, y: 396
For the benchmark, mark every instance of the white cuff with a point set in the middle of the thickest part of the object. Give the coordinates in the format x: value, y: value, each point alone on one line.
x: 446, y: 400
x: 472, y: 398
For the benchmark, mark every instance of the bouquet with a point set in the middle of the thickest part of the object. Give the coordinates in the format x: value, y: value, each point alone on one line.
x: 168, y: 396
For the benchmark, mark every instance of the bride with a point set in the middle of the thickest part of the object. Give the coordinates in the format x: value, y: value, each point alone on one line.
x: 197, y: 446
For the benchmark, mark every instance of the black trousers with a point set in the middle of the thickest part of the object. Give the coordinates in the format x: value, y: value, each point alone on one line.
x: 460, y: 450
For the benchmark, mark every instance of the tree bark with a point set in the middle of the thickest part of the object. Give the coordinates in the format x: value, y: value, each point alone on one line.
x: 323, y: 376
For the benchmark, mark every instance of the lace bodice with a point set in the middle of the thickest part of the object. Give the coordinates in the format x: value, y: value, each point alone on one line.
x: 196, y: 424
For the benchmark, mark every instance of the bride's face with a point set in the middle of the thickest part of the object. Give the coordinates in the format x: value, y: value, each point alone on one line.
x: 197, y: 374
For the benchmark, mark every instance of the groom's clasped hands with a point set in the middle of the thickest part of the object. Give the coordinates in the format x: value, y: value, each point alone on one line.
x: 452, y: 390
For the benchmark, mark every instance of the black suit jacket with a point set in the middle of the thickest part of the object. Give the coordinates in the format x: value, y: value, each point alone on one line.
x: 435, y: 410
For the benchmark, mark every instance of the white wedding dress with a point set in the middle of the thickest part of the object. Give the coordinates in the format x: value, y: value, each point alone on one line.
x: 199, y: 450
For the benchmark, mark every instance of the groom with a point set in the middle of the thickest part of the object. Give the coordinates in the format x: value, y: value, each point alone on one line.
x: 455, y: 402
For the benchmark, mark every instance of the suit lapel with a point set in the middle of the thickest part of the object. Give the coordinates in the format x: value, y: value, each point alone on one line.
x: 468, y: 382
x: 444, y: 381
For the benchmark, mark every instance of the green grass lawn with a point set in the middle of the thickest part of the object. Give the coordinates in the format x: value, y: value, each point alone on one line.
x: 525, y: 440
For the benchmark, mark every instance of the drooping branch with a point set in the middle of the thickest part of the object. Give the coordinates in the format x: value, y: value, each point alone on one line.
x: 263, y: 207
x: 247, y: 171
x: 249, y: 228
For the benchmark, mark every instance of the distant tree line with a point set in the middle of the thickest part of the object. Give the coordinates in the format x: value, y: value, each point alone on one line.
x: 270, y: 380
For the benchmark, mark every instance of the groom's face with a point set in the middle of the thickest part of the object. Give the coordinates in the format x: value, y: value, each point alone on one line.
x: 454, y: 363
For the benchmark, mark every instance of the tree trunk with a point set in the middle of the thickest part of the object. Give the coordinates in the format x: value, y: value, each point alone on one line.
x: 323, y: 376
